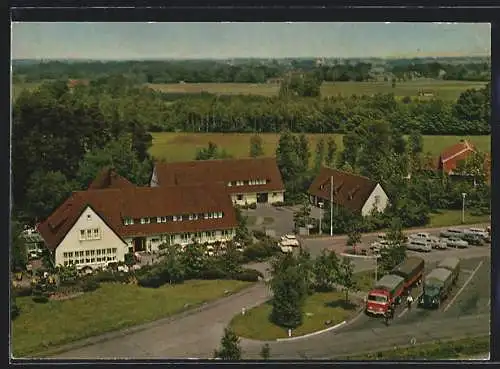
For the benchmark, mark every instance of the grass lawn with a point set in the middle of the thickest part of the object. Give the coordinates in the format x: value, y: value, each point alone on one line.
x: 446, y: 90
x: 255, y: 324
x: 40, y: 327
x: 183, y: 146
x: 454, y: 217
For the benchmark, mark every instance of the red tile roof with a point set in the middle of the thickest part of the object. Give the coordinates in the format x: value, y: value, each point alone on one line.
x: 113, y: 205
x: 223, y: 170
x: 350, y: 191
x: 108, y: 178
x: 449, y: 158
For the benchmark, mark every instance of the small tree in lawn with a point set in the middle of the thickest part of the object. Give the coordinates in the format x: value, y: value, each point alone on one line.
x: 346, y: 277
x: 353, y: 235
x: 173, y: 265
x: 325, y: 268
x: 229, y: 346
x: 289, y: 292
x: 229, y: 260
x: 265, y: 352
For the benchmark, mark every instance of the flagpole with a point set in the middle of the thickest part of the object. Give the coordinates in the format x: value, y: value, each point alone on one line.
x: 331, y: 206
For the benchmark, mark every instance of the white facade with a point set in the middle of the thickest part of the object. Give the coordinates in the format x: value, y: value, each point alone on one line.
x: 90, y: 242
x: 377, y: 200
x: 251, y: 198
x: 153, y: 242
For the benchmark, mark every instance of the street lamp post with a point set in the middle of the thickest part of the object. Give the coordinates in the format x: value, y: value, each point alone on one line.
x: 463, y: 206
x: 320, y: 216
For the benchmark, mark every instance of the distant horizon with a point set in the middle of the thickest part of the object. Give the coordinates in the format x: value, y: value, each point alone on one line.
x: 250, y: 40
x: 476, y: 56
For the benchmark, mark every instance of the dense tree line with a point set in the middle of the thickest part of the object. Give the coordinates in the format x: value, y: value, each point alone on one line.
x: 208, y: 113
x: 62, y: 138
x: 446, y: 71
x: 247, y: 71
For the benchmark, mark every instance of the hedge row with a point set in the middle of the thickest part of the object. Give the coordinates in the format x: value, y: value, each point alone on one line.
x: 437, y: 350
x: 155, y: 278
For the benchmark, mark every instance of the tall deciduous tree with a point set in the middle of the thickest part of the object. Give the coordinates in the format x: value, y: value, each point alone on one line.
x: 326, y: 269
x: 256, y: 148
x: 18, y: 257
x: 319, y: 157
x: 346, y: 277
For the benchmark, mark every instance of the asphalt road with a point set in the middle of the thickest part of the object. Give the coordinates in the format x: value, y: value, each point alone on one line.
x: 197, y: 335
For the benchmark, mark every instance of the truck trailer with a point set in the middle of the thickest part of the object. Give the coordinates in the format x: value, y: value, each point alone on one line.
x: 437, y: 286
x: 390, y: 288
x: 452, y: 264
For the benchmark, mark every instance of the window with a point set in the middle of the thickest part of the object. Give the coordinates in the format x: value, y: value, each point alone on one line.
x: 92, y: 260
x: 180, y: 218
x: 174, y: 218
x: 92, y: 252
x: 239, y: 197
x: 81, y: 253
x: 190, y: 216
x: 89, y: 234
x: 89, y: 217
x: 148, y: 220
x: 128, y: 221
x: 65, y: 254
x: 87, y: 253
x: 377, y: 199
x: 98, y: 252
x: 275, y: 194
x: 220, y: 214
x: 113, y: 250
x: 108, y: 251
x: 77, y: 261
x: 210, y: 215
x: 229, y: 184
x: 195, y: 216
x: 70, y: 254
x: 66, y: 263
x: 82, y: 234
x: 87, y: 260
x: 205, y: 216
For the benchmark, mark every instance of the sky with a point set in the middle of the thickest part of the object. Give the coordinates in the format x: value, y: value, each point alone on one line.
x: 236, y: 40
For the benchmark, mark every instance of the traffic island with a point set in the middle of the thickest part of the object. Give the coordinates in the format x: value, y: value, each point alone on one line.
x: 322, y: 310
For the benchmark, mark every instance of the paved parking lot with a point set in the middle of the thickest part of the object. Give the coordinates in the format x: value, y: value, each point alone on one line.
x: 282, y: 216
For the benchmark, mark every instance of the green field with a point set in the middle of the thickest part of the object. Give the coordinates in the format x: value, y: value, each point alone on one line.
x: 183, y: 146
x: 41, y: 327
x: 446, y: 90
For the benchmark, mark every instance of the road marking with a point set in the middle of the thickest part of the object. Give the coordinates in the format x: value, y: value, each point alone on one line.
x: 468, y: 271
x: 403, y: 312
x: 463, y: 287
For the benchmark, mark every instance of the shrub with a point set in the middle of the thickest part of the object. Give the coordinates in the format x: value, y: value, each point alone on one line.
x: 248, y: 275
x: 260, y: 251
x: 22, y: 291
x: 213, y: 272
x: 40, y: 296
x: 150, y: 280
x: 260, y: 235
x: 89, y: 285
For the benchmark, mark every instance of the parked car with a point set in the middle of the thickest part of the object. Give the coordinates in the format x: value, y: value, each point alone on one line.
x: 437, y: 243
x: 421, y: 235
x: 473, y: 239
x: 452, y: 232
x: 289, y: 240
x: 457, y: 242
x: 416, y: 244
x: 478, y: 231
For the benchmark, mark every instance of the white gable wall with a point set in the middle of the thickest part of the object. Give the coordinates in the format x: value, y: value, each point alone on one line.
x: 378, y: 198
x: 107, y: 240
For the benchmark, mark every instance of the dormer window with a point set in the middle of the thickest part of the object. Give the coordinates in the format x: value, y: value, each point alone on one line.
x: 89, y: 217
x: 145, y: 220
x: 229, y: 184
x: 220, y: 214
x: 190, y: 216
x: 174, y: 218
x: 128, y: 221
x: 205, y: 216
